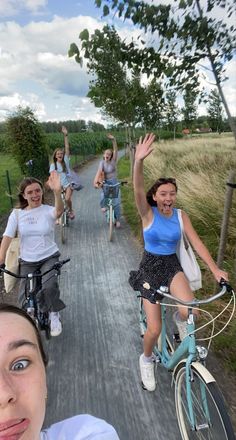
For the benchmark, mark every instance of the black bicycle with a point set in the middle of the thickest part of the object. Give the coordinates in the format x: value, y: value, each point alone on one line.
x: 33, y: 286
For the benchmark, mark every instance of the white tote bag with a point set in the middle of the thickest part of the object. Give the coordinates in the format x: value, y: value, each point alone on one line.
x: 12, y: 261
x: 188, y: 260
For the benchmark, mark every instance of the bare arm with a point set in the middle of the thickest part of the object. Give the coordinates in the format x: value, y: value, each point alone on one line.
x: 143, y: 149
x: 201, y: 249
x: 4, y: 246
x: 66, y: 141
x: 114, y: 145
x: 97, y: 179
x: 55, y: 185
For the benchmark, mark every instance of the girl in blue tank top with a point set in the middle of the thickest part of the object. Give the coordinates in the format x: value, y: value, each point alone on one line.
x: 160, y: 265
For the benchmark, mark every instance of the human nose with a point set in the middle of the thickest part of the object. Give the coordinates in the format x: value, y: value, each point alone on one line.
x: 7, y: 390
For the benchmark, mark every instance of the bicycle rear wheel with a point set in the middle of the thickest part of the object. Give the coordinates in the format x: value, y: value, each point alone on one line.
x: 110, y: 222
x: 211, y: 418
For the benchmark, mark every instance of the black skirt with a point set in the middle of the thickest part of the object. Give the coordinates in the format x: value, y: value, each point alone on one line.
x: 157, y: 270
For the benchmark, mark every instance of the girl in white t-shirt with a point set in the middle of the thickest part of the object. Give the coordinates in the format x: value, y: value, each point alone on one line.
x: 61, y: 163
x: 23, y: 389
x: 35, y: 223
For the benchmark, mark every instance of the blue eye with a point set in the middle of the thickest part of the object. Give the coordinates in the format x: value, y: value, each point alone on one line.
x: 20, y: 365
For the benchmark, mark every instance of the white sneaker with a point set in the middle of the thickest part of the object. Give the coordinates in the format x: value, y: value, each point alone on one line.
x: 181, y: 325
x: 147, y: 374
x: 55, y: 324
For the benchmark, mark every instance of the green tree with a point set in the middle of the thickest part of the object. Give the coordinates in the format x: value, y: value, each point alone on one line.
x: 215, y: 111
x: 27, y: 142
x: 113, y: 89
x: 190, y: 108
x: 185, y: 35
x: 171, y: 111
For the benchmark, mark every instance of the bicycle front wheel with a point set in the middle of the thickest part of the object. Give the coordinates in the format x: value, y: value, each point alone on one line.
x: 110, y: 222
x: 211, y: 418
x: 63, y: 227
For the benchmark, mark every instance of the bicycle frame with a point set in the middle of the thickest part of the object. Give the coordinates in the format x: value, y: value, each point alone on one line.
x: 186, y: 356
x: 186, y: 348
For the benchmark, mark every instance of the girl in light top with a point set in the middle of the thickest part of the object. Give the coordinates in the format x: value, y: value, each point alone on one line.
x: 108, y: 169
x: 23, y: 389
x: 35, y: 223
x: 61, y: 163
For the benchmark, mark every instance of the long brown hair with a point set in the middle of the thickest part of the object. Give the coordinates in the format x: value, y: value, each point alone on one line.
x: 9, y: 308
x: 161, y: 181
x: 24, y: 183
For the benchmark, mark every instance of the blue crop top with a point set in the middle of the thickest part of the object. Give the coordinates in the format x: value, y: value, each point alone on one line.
x: 162, y: 236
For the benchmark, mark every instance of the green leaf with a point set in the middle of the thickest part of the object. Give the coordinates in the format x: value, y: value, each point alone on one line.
x: 182, y: 4
x: 84, y: 35
x: 79, y: 60
x: 98, y: 3
x: 106, y: 11
x: 73, y: 50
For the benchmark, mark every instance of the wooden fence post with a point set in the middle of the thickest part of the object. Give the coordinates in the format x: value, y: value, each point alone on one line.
x: 224, y: 227
x: 9, y: 187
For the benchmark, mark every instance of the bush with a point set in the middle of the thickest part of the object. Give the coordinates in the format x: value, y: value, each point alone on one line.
x: 27, y: 143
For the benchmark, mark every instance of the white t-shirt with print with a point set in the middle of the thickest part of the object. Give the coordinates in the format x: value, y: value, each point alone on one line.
x: 36, y: 229
x: 82, y: 427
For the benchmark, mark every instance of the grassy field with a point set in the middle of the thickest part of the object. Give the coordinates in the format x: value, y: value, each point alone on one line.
x: 201, y: 167
x: 8, y: 165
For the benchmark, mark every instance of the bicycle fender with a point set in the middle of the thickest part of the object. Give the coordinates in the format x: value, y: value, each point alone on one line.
x: 203, y: 371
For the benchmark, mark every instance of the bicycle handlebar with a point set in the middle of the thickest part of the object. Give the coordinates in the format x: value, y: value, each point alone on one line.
x: 155, y: 295
x: 122, y: 182
x: 56, y: 266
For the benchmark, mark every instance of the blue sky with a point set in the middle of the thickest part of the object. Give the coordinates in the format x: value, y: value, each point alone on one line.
x: 35, y: 70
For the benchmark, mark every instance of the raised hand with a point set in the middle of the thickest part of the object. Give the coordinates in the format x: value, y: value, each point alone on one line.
x: 54, y: 181
x: 144, y: 147
x: 110, y: 136
x: 64, y: 130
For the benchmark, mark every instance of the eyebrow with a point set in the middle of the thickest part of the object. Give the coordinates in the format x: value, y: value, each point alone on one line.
x: 20, y: 343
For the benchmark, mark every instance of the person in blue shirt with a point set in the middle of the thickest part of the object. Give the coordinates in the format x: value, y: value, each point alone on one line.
x: 160, y: 265
x: 61, y: 163
x: 23, y: 388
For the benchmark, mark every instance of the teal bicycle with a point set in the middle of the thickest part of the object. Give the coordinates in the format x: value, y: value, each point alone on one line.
x: 111, y: 194
x: 200, y: 409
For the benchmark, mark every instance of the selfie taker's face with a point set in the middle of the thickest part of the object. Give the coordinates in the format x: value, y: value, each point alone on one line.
x: 22, y: 380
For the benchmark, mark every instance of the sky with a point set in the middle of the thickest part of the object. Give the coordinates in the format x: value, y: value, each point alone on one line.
x: 35, y: 70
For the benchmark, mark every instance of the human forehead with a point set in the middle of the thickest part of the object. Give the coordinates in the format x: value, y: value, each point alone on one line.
x: 32, y: 187
x: 166, y: 187
x: 59, y: 152
x: 14, y: 328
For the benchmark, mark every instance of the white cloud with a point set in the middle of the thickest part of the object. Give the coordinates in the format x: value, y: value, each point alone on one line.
x: 33, y: 59
x: 14, y: 7
x: 10, y: 103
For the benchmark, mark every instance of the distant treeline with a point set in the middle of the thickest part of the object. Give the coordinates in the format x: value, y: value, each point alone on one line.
x: 73, y: 126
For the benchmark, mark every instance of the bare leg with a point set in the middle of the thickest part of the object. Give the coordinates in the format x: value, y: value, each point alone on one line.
x: 180, y: 288
x: 69, y: 193
x: 153, y: 314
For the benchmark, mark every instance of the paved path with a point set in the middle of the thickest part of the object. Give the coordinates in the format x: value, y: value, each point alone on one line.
x: 94, y: 363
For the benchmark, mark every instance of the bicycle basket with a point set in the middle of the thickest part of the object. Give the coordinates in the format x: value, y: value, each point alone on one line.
x: 110, y: 191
